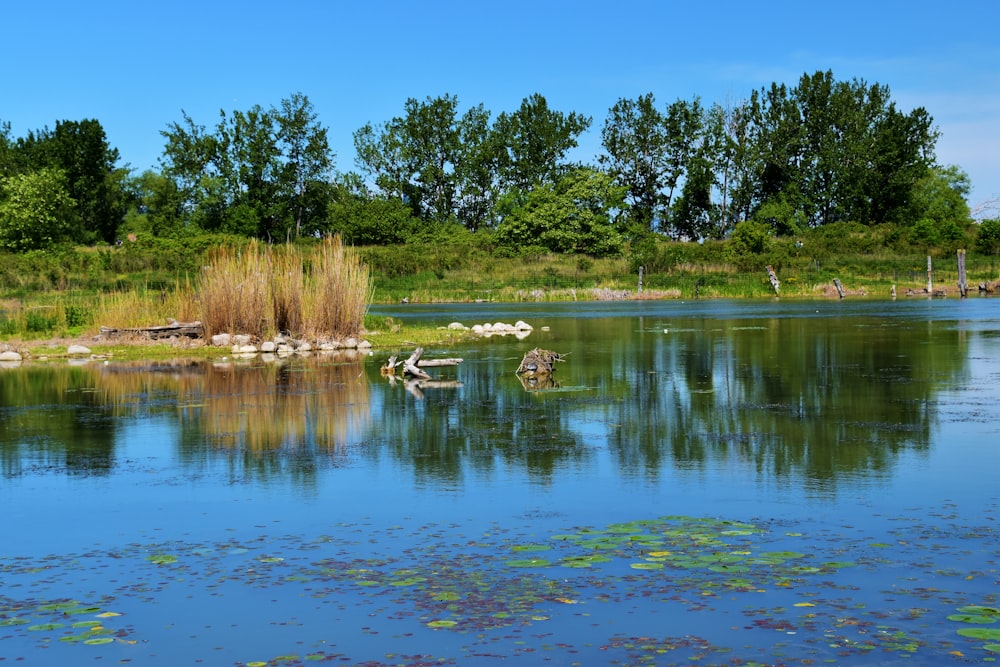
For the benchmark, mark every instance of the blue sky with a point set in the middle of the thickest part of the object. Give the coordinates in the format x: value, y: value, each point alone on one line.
x: 134, y: 66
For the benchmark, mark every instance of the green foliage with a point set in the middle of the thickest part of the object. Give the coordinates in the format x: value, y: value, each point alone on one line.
x: 988, y: 240
x: 449, y: 167
x: 572, y: 215
x: 35, y: 210
x: 254, y: 175
x: 748, y: 244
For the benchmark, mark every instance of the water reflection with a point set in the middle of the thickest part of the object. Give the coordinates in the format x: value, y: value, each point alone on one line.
x: 793, y: 400
x: 74, y: 417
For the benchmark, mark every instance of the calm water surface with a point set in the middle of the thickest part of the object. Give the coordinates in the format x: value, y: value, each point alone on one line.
x: 726, y: 482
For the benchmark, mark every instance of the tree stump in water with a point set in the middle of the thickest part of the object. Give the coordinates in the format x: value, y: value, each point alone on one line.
x: 539, y: 362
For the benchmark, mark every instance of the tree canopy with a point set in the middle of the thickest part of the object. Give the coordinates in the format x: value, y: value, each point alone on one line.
x: 788, y: 157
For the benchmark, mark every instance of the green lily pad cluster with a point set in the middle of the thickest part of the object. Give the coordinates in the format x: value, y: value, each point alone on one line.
x: 68, y: 621
x: 681, y: 542
x: 980, y: 615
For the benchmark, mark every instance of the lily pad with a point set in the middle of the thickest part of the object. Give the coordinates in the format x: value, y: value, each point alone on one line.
x: 528, y: 562
x: 646, y: 566
x: 442, y: 624
x: 990, y: 634
x: 973, y: 618
x: 98, y: 640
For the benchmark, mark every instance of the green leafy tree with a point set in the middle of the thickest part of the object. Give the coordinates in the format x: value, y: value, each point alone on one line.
x: 259, y: 173
x: 7, y: 151
x: 988, y: 241
x: 307, y: 160
x: 533, y: 142
x: 572, y: 215
x: 415, y: 157
x: 80, y: 150
x: 36, y: 210
x: 363, y: 218
x: 942, y: 195
x: 158, y: 208
x: 635, y: 144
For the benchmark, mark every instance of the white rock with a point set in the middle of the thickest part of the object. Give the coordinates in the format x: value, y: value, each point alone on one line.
x: 327, y: 347
x: 247, y: 349
x: 364, y: 345
x: 457, y: 326
x: 499, y: 326
x: 268, y: 346
x: 222, y: 340
x: 521, y: 325
x: 10, y: 356
x: 305, y: 346
x: 77, y: 349
x: 351, y: 343
x: 477, y: 329
x: 241, y: 339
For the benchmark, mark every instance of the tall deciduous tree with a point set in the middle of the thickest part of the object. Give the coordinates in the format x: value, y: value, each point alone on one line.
x: 80, y: 150
x: 635, y: 145
x: 253, y: 174
x: 533, y: 142
x: 416, y: 156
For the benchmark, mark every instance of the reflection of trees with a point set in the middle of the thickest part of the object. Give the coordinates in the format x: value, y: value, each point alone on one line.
x: 819, y: 398
x: 54, y: 422
x: 489, y: 424
x: 262, y: 418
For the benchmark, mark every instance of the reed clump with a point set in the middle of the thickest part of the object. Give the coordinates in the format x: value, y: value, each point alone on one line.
x: 338, y: 288
x: 262, y: 290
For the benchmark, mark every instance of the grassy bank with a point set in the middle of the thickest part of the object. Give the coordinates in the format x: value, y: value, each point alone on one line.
x: 318, y: 288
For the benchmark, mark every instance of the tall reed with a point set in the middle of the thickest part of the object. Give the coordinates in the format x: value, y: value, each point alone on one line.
x: 235, y: 291
x: 338, y: 288
x: 261, y: 290
x: 286, y: 289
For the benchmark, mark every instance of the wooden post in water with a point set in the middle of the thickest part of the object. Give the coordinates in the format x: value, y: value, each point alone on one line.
x: 640, y: 279
x: 962, y: 284
x: 930, y: 282
x: 773, y: 277
x: 840, y: 288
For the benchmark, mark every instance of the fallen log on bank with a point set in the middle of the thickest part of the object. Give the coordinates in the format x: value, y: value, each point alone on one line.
x: 173, y: 329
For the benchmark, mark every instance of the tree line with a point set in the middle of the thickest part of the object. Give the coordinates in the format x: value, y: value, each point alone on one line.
x: 785, y: 159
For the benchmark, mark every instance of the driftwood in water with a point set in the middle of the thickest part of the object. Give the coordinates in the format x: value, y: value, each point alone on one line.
x: 412, y: 365
x: 539, y: 362
x: 840, y: 288
x: 172, y: 329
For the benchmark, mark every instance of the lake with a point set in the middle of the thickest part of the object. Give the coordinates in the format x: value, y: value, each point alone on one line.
x: 717, y: 482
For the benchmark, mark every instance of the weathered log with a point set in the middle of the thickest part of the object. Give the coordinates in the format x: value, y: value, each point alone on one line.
x: 413, y: 364
x: 173, y: 328
x: 840, y: 288
x: 435, y: 363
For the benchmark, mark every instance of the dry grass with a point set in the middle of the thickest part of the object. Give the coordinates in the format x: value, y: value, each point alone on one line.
x: 337, y: 290
x: 262, y: 290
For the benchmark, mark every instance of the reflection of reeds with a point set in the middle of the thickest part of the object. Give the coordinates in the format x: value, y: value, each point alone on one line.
x: 258, y: 408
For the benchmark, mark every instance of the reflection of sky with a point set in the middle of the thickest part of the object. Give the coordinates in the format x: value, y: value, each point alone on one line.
x: 161, y: 481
